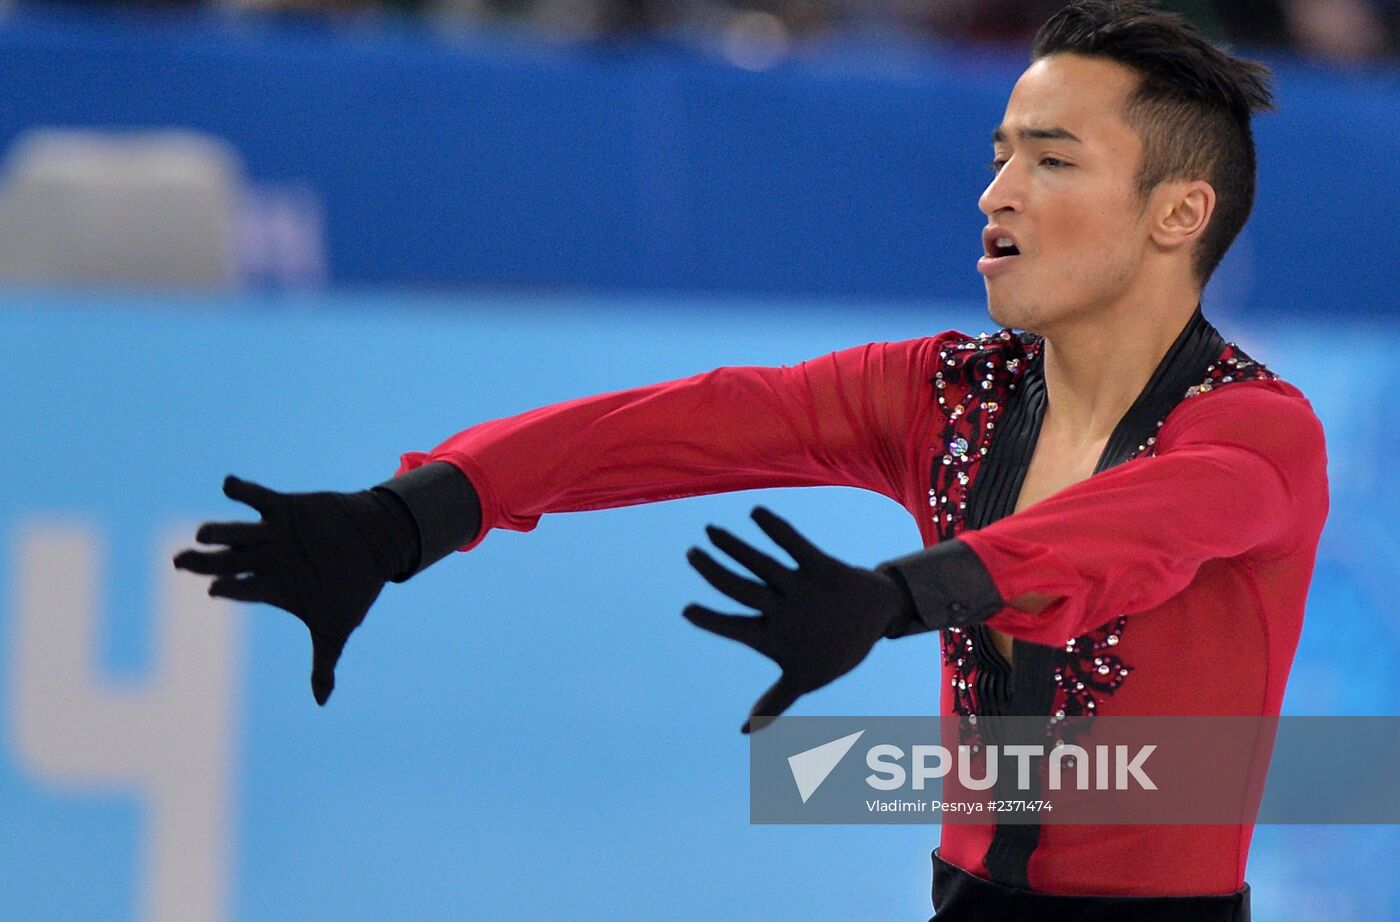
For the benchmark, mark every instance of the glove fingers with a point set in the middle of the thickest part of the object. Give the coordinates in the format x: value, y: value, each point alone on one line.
x: 757, y: 562
x: 803, y: 551
x: 775, y: 701
x: 228, y: 562
x: 245, y: 491
x: 241, y: 589
x: 234, y: 534
x: 746, y: 629
x: 744, y: 591
x: 325, y: 653
x: 322, y: 675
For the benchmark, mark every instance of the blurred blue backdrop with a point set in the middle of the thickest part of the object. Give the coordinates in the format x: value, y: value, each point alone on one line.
x: 531, y: 730
x: 849, y: 169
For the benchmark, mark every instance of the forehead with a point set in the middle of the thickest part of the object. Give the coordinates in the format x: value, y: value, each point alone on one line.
x: 1085, y: 96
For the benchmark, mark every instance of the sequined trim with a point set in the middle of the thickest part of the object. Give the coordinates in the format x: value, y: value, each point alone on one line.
x: 1232, y: 365
x: 1088, y: 669
x: 973, y: 381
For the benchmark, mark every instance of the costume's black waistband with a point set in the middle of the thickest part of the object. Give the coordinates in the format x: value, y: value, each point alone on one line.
x: 959, y: 896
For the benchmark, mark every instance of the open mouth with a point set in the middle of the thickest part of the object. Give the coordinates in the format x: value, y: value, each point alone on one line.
x: 1002, y: 246
x: 998, y: 246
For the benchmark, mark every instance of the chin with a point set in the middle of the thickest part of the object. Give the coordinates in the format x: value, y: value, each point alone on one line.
x: 1036, y: 313
x: 1005, y: 315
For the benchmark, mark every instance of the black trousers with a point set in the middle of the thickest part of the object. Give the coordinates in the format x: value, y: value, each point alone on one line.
x: 962, y: 897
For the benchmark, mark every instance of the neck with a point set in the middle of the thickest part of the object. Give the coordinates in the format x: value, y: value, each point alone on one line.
x: 1096, y: 368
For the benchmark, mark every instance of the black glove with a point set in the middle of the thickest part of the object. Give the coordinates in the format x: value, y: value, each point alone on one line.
x: 325, y: 557
x: 817, y: 622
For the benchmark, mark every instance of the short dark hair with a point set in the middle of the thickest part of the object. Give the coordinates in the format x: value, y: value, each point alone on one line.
x: 1192, y: 107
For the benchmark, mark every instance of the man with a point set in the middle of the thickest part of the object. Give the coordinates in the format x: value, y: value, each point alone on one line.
x: 1120, y: 510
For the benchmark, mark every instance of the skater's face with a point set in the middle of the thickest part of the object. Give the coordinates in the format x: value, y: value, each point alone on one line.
x: 1065, y: 193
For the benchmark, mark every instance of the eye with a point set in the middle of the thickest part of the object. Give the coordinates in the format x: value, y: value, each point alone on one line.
x: 996, y: 165
x: 1053, y: 163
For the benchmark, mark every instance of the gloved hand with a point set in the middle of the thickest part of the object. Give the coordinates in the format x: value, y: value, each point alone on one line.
x: 324, y: 557
x: 817, y: 622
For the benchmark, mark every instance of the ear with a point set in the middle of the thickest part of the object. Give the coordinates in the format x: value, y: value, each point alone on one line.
x: 1181, y: 212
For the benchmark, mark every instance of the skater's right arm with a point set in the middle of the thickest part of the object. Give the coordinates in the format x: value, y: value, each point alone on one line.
x: 859, y: 417
x: 848, y: 418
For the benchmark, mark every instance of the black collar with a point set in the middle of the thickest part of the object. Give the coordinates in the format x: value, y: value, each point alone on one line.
x: 1008, y: 458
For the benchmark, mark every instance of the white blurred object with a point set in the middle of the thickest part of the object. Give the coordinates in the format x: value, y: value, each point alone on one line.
x: 87, y: 207
x: 756, y: 40
x: 1341, y: 30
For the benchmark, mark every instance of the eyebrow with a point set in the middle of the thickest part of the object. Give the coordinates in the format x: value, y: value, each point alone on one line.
x: 1053, y: 133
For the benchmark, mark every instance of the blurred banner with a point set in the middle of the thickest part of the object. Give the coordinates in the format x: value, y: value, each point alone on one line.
x: 529, y: 730
x: 359, y: 153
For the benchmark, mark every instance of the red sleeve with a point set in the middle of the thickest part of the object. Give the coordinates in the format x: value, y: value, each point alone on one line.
x: 1240, y: 471
x: 845, y: 419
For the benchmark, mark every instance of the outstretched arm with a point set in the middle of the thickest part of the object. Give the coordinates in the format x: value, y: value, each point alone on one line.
x: 842, y: 419
x: 850, y: 418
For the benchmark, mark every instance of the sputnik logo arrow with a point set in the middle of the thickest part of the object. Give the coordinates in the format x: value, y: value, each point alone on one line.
x: 812, y: 766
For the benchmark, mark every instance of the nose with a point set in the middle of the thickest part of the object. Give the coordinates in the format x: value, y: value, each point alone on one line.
x: 1003, y: 192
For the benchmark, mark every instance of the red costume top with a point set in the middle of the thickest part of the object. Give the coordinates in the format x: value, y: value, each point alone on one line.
x: 1181, y: 569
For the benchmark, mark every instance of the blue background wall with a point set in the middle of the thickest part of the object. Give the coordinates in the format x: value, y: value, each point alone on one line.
x: 531, y: 730
x: 845, y: 171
